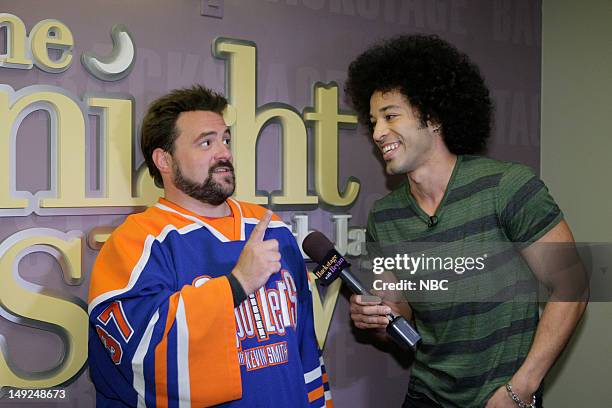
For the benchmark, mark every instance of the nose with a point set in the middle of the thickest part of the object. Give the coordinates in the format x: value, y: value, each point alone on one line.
x: 380, y: 131
x: 223, y: 152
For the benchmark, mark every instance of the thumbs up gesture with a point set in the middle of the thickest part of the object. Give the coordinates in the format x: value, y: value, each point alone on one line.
x: 259, y: 259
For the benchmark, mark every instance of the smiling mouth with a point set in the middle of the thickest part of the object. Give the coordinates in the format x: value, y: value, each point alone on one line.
x: 388, y: 149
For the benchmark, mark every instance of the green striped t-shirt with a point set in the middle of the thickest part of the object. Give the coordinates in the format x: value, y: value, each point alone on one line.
x: 472, y: 343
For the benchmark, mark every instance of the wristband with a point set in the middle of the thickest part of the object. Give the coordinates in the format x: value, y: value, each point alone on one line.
x: 238, y: 292
x: 518, y: 400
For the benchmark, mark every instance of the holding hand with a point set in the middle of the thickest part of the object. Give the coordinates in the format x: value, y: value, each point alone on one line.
x: 368, y: 312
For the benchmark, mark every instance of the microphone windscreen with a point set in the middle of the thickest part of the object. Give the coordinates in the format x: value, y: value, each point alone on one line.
x: 330, y: 263
x: 317, y: 246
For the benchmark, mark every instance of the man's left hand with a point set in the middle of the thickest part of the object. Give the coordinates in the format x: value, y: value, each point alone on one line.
x: 500, y: 399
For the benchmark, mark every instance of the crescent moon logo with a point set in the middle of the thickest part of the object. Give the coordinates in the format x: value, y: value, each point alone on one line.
x: 119, y: 63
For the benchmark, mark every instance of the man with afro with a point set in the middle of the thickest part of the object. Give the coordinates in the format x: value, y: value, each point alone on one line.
x: 429, y: 114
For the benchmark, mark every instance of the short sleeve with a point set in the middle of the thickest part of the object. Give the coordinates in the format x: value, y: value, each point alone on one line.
x: 371, y: 229
x: 526, y: 209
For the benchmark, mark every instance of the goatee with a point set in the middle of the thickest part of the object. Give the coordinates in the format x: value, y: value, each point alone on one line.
x: 210, y: 191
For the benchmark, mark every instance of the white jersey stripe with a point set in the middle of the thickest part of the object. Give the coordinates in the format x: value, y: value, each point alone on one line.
x: 198, y: 221
x: 182, y: 355
x: 237, y: 204
x: 272, y: 224
x: 138, y: 360
x: 144, y: 258
x: 312, y: 375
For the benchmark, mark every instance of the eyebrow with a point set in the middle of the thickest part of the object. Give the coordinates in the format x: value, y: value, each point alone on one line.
x: 212, y: 133
x: 386, y: 108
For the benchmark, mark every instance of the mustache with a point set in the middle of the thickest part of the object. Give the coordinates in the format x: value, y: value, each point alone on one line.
x: 221, y: 163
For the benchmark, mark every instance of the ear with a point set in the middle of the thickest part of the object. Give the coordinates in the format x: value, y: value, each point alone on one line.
x: 434, y: 127
x: 162, y: 160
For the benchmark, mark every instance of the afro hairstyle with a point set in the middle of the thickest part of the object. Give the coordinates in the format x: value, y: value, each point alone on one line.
x: 441, y: 82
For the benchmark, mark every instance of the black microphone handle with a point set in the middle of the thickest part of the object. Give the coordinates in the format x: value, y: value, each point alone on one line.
x: 399, y: 329
x: 354, y: 285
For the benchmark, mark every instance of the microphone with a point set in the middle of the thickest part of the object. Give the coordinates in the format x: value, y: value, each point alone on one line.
x: 332, y: 265
x: 432, y: 222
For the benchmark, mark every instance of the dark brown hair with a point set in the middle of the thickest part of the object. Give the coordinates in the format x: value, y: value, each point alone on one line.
x: 159, y: 124
x: 441, y: 82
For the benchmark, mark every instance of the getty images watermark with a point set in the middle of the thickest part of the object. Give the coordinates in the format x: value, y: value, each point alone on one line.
x: 409, y: 264
x: 486, y: 271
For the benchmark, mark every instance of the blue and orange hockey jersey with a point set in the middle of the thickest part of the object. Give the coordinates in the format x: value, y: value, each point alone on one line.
x: 163, y: 328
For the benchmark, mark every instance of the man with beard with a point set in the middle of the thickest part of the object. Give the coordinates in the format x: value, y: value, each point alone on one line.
x: 201, y: 299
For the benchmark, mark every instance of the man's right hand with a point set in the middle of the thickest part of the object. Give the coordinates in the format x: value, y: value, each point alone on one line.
x: 368, y: 312
x: 259, y: 259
